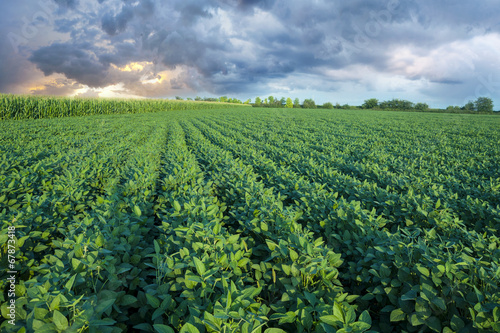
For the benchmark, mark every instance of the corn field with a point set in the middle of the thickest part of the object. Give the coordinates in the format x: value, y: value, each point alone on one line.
x: 19, y: 107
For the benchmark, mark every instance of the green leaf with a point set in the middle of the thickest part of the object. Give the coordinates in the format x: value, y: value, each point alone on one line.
x: 365, y: 317
x: 70, y: 283
x: 153, y: 301
x: 338, y: 312
x: 440, y: 303
x: 409, y: 296
x: 3, y: 238
x: 127, y: 300
x: 217, y: 228
x: 200, y: 267
x: 75, y: 263
x: 350, y: 316
x: 137, y: 211
x: 275, y: 330
x: 480, y: 296
x: 189, y: 328
x: 211, y: 321
x: 398, y: 315
x: 288, y: 318
x: 102, y: 322
x: 233, y: 239
x: 311, y: 298
x: 47, y: 328
x: 434, y: 324
x: 78, y: 251
x: 331, y: 320
x: 424, y: 271
x: 271, y: 245
x: 157, y: 246
x: 60, y: 321
x: 163, y: 328
x: 144, y: 327
x: 293, y: 255
x: 39, y: 248
x: 416, y: 320
x: 457, y: 323
x: 360, y: 326
x: 104, y: 305
x: 99, y: 241
x: 177, y: 206
x: 54, y: 305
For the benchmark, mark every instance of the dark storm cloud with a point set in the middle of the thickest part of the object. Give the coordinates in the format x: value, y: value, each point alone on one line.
x: 71, y: 4
x: 113, y: 25
x: 13, y: 69
x: 236, y: 45
x: 73, y: 60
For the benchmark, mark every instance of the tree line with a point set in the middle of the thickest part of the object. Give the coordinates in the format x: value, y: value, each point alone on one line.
x: 480, y: 105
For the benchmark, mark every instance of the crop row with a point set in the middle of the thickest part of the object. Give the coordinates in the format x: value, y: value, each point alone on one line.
x: 247, y: 220
x: 38, y: 107
x: 334, y: 217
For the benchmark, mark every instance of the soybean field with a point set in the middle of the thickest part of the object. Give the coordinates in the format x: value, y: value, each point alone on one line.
x: 252, y: 220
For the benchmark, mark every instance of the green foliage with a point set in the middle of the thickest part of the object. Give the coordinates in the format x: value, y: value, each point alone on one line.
x: 421, y: 107
x: 483, y: 104
x: 289, y: 103
x: 252, y: 220
x: 36, y: 107
x: 469, y: 106
x: 327, y: 105
x: 370, y: 103
x: 309, y: 104
x: 396, y: 104
x: 296, y: 103
x: 452, y: 108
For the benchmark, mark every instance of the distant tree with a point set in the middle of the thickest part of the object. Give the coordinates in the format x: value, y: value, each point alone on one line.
x: 296, y: 103
x: 452, y: 108
x: 309, y: 104
x: 266, y: 102
x: 248, y: 101
x: 179, y: 98
x: 289, y: 103
x: 282, y: 102
x: 189, y: 99
x: 328, y: 105
x: 396, y: 104
x: 346, y: 106
x: 271, y: 100
x: 197, y: 98
x: 469, y: 106
x: 258, y: 101
x: 421, y: 107
x: 483, y: 104
x: 337, y: 106
x: 223, y: 99
x: 370, y: 103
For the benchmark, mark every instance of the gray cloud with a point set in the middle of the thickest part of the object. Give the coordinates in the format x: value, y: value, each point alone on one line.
x: 71, y: 4
x: 233, y: 46
x: 76, y: 61
x: 113, y: 25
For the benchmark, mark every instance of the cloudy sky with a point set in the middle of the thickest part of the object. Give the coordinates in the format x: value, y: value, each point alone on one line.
x: 441, y: 52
